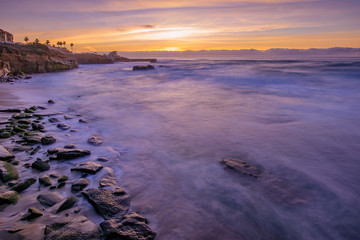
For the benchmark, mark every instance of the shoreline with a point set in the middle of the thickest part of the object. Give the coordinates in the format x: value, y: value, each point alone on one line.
x: 31, y: 175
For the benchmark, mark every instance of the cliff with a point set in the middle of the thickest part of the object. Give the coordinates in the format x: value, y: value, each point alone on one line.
x: 35, y: 58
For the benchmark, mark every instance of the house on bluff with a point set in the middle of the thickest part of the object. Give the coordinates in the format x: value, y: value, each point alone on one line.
x: 6, y: 37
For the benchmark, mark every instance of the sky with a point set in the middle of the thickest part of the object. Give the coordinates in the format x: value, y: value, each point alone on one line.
x: 148, y: 25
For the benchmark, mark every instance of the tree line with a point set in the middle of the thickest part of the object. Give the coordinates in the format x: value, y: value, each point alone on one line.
x: 59, y: 43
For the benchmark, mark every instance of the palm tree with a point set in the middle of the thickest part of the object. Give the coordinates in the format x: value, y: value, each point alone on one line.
x: 36, y: 41
x: 47, y: 42
x: 64, y: 43
x: 71, y: 45
x: 26, y: 39
x: 60, y: 44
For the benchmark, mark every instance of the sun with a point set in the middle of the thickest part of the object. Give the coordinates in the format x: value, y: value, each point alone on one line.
x: 170, y: 49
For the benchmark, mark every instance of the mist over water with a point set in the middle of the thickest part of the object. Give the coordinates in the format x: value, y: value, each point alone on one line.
x: 168, y: 128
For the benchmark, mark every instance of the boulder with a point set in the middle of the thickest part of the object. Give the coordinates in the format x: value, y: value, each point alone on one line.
x: 9, y: 197
x: 49, y: 198
x: 40, y: 165
x: 69, y: 203
x: 108, y: 203
x: 31, y: 214
x: 46, y: 181
x: 242, y: 167
x: 23, y: 185
x: 130, y: 227
x: 80, y: 184
x: 5, y: 134
x: 95, y: 140
x: 66, y: 154
x: 5, y: 155
x: 33, y: 138
x: 37, y: 126
x: 87, y: 167
x: 8, y: 172
x: 63, y: 126
x: 47, y: 140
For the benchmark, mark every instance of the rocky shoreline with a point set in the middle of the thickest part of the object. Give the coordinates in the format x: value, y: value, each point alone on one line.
x: 51, y: 192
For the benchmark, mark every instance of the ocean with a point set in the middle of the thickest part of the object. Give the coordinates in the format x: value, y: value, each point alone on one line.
x: 166, y: 130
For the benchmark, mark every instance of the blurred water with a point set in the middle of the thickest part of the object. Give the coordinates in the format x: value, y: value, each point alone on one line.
x: 297, y: 120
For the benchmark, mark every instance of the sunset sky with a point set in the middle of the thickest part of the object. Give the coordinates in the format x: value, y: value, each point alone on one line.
x: 138, y: 25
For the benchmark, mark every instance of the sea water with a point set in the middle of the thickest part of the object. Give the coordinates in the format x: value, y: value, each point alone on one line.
x: 166, y: 130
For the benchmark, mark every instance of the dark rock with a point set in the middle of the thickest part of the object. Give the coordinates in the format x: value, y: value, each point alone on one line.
x: 83, y: 120
x: 24, y: 121
x: 31, y: 214
x: 242, y: 167
x: 108, y: 203
x: 102, y: 159
x: 9, y: 197
x: 8, y: 172
x: 108, y: 180
x: 35, y: 150
x: 40, y: 165
x: 18, y: 129
x: 130, y: 227
x: 11, y: 110
x: 33, y: 138
x: 148, y: 67
x: 69, y: 203
x: 79, y: 228
x: 87, y: 167
x: 53, y: 150
x: 80, y: 184
x: 47, y: 140
x: 53, y: 175
x: 95, y: 140
x: 27, y: 77
x: 51, y: 101
x: 49, y: 198
x: 12, y: 183
x: 5, y: 135
x: 46, y: 181
x: 5, y: 155
x: 14, y: 230
x: 63, y: 179
x: 54, y: 120
x: 23, y: 185
x: 66, y: 154
x: 62, y: 184
x: 63, y: 126
x: 23, y: 126
x: 70, y: 146
x: 37, y: 126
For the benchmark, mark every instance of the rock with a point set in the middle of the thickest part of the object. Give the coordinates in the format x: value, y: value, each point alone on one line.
x: 11, y: 110
x: 23, y: 126
x: 54, y: 175
x: 69, y: 203
x: 66, y: 154
x: 95, y: 140
x: 20, y: 148
x: 102, y: 159
x: 5, y: 135
x: 108, y: 203
x: 49, y: 198
x: 31, y: 214
x: 46, y: 181
x: 47, y: 140
x: 131, y: 227
x: 83, y: 120
x: 33, y: 138
x: 24, y: 121
x: 148, y: 67
x: 62, y: 184
x: 8, y: 172
x: 37, y: 126
x: 53, y: 150
x: 54, y: 120
x: 70, y: 146
x: 51, y: 101
x: 18, y: 129
x: 22, y: 115
x: 23, y: 185
x: 63, y: 126
x: 63, y: 179
x: 40, y: 165
x: 108, y: 180
x: 242, y: 167
x: 80, y: 184
x: 77, y: 228
x: 5, y: 155
x: 74, y: 130
x: 68, y: 117
x: 87, y: 167
x: 9, y: 197
x: 35, y: 150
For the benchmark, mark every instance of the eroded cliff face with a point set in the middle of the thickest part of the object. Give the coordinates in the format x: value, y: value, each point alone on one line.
x: 35, y: 58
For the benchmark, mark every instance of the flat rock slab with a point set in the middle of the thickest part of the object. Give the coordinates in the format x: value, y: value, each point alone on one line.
x: 5, y: 155
x: 131, y: 227
x: 108, y: 180
x: 87, y: 167
x: 66, y: 154
x: 242, y: 167
x: 108, y: 203
x: 49, y: 198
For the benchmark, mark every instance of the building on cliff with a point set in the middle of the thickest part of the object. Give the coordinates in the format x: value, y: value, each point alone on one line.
x: 6, y: 37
